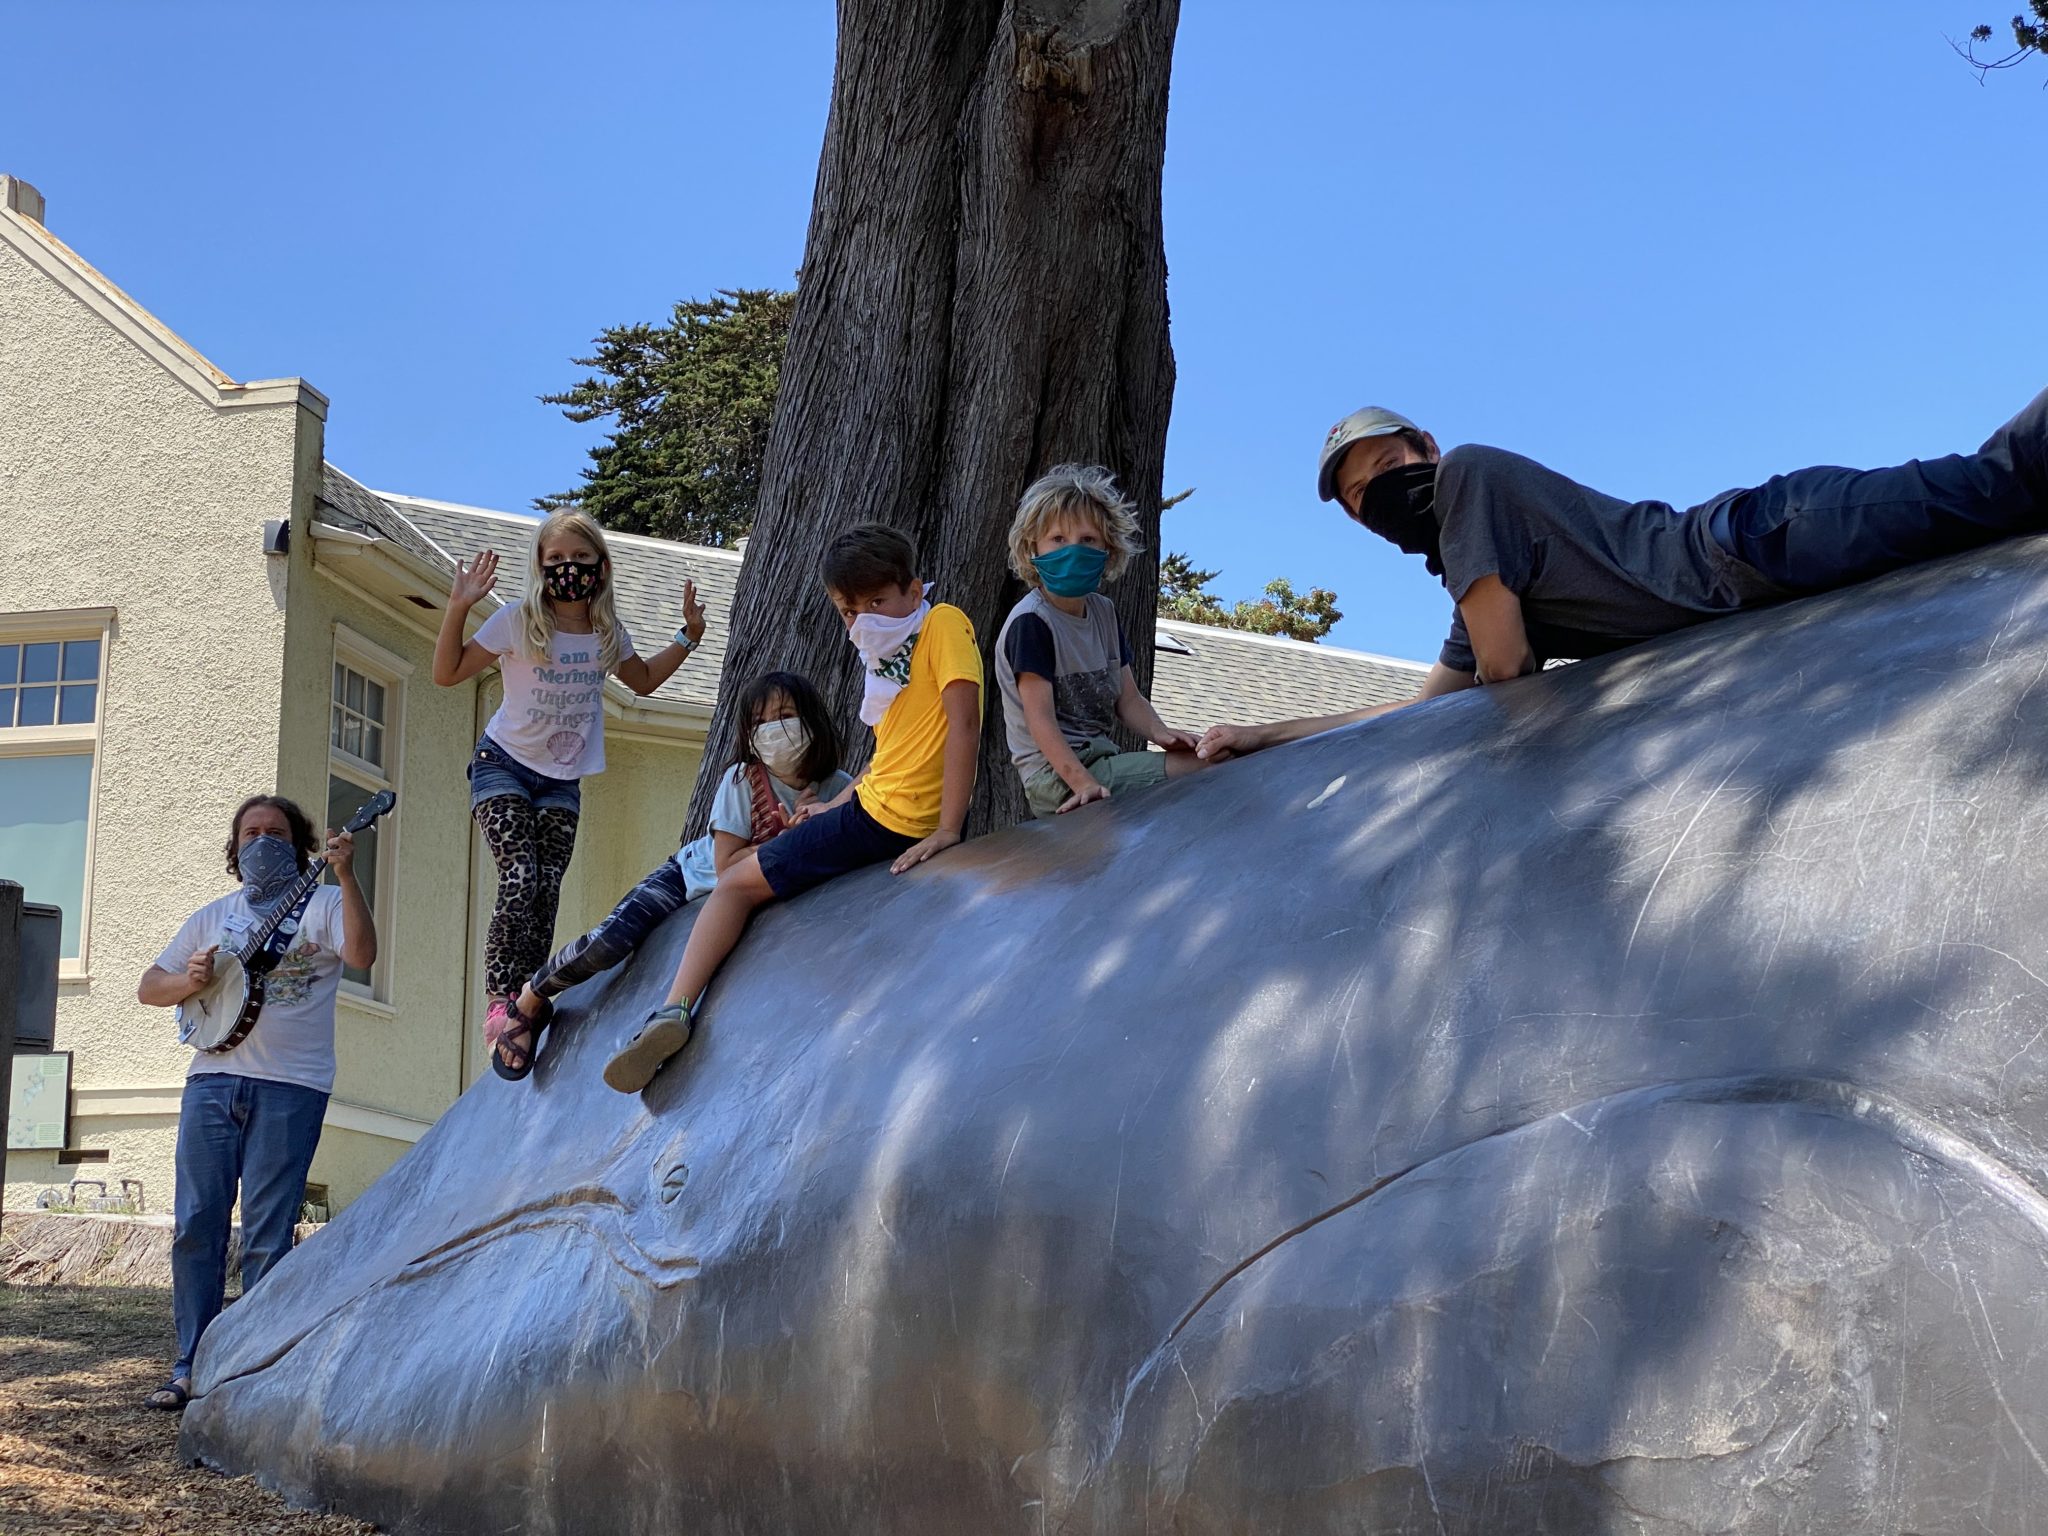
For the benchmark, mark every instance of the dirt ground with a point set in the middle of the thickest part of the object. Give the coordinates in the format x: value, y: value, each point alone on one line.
x: 78, y: 1452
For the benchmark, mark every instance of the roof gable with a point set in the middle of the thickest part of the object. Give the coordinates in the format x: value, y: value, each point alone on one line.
x: 22, y: 231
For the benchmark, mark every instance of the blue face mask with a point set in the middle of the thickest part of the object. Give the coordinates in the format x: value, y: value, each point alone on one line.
x: 1072, y: 570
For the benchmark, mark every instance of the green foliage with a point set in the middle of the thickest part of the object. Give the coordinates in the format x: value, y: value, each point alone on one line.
x: 1184, y: 594
x: 691, y: 402
x: 2029, y: 37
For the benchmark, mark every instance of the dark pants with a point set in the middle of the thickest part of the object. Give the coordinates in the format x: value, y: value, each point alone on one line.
x: 638, y: 913
x: 1816, y: 529
x: 233, y: 1130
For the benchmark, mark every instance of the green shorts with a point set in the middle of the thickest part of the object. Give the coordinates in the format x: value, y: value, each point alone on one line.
x: 1119, y: 770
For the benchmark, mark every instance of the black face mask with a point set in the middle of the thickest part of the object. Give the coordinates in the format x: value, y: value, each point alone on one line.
x: 572, y: 581
x: 1400, y: 506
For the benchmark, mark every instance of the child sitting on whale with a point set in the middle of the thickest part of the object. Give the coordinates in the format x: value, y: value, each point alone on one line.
x: 785, y: 760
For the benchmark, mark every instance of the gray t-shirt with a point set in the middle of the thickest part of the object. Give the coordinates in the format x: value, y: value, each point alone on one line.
x: 1594, y: 573
x: 1084, y: 660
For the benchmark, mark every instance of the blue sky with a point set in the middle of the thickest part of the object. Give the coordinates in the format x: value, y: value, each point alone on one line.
x: 1665, y: 262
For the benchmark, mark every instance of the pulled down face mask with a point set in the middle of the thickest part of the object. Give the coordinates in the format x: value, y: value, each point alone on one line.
x: 1400, y: 506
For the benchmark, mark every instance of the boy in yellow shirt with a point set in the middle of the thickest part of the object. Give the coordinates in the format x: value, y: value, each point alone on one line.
x: 921, y: 674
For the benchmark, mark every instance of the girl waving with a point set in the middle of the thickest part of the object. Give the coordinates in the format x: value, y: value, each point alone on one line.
x: 554, y: 649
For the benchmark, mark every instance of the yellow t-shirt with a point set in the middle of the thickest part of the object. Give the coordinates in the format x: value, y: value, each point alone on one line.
x: 903, y: 783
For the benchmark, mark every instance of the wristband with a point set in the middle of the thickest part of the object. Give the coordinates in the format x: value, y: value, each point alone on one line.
x: 682, y: 638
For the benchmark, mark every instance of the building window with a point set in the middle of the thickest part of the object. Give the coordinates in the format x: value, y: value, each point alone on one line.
x: 364, y: 715
x: 52, y: 677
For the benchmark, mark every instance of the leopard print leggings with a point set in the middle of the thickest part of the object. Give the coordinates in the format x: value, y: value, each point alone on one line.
x: 532, y: 851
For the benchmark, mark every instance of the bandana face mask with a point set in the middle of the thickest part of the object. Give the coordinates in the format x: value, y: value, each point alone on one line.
x: 1072, y: 570
x: 268, y: 866
x: 572, y: 581
x: 886, y: 646
x: 1400, y: 506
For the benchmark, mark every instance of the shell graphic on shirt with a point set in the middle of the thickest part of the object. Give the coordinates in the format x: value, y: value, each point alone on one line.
x: 292, y: 980
x: 565, y: 746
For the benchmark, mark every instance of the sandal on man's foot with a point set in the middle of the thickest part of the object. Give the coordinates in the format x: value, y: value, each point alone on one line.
x: 172, y: 1396
x: 666, y: 1031
x: 509, y: 1059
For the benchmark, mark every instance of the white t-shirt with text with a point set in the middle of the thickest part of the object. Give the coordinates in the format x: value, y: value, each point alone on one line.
x: 552, y: 717
x: 293, y: 1039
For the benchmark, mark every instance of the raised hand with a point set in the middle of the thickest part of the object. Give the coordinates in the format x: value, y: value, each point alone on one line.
x: 341, y: 853
x: 693, y: 614
x: 474, y: 581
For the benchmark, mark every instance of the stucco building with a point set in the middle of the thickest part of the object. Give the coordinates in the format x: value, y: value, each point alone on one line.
x: 195, y: 605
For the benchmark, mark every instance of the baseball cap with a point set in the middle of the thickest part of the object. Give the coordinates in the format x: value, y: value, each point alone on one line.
x: 1372, y: 421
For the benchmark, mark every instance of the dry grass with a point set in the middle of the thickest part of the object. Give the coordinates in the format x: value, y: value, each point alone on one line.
x: 42, y: 1249
x: 78, y: 1452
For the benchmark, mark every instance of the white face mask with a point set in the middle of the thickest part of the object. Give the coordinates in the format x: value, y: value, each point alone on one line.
x: 781, y: 745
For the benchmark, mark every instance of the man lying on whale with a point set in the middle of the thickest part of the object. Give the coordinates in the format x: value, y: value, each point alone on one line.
x: 1541, y: 567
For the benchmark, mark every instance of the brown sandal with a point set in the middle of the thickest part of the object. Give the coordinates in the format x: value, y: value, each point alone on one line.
x: 522, y: 1057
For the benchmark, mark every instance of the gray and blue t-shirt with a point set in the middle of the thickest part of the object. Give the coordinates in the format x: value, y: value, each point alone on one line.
x: 1082, y: 657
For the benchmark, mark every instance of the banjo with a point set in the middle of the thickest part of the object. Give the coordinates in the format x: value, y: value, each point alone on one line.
x: 219, y: 1016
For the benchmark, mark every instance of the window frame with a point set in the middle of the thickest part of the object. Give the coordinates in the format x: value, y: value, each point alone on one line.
x: 17, y: 741
x: 371, y: 661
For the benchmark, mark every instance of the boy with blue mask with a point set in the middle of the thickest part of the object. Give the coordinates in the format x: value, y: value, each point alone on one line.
x: 1062, y: 661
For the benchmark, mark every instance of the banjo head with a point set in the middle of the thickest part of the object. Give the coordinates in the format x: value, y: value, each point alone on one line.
x: 206, y: 1018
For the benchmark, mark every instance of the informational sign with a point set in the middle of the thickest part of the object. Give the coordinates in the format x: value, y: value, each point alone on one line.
x: 39, y: 1102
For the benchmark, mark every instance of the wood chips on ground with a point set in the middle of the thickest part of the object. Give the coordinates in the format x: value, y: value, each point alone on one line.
x: 78, y: 1452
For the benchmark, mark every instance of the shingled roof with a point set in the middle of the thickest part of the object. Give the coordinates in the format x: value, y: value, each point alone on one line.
x: 1203, y: 676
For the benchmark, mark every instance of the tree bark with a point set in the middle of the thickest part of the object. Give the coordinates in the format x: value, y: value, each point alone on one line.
x: 983, y: 296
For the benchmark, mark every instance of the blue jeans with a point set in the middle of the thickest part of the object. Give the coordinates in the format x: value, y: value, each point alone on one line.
x: 232, y: 1130
x: 639, y: 911
x: 1817, y: 529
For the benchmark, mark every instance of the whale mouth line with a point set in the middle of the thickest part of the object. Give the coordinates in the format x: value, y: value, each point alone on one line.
x: 1828, y: 1095
x: 1909, y: 1128
x: 596, y: 1212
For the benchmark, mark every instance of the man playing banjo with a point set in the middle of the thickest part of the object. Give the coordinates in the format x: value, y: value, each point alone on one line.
x: 253, y: 1111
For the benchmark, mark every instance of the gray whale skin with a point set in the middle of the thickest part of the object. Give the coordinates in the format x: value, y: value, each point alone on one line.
x: 1610, y: 1102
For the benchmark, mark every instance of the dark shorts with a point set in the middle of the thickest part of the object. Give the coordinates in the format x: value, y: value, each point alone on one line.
x: 494, y: 772
x: 838, y: 842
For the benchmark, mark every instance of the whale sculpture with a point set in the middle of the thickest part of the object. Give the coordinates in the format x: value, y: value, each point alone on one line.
x: 1616, y: 1101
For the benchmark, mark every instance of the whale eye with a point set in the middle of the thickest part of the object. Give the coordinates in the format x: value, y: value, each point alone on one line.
x: 673, y: 1180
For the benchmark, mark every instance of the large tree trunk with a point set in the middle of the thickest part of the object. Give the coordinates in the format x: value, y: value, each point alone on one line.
x: 983, y: 296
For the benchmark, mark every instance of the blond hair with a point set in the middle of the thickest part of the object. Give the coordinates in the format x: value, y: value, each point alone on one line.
x: 536, y: 610
x: 1079, y: 490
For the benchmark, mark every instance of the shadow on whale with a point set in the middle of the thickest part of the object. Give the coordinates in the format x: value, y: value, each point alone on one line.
x: 1608, y: 1102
